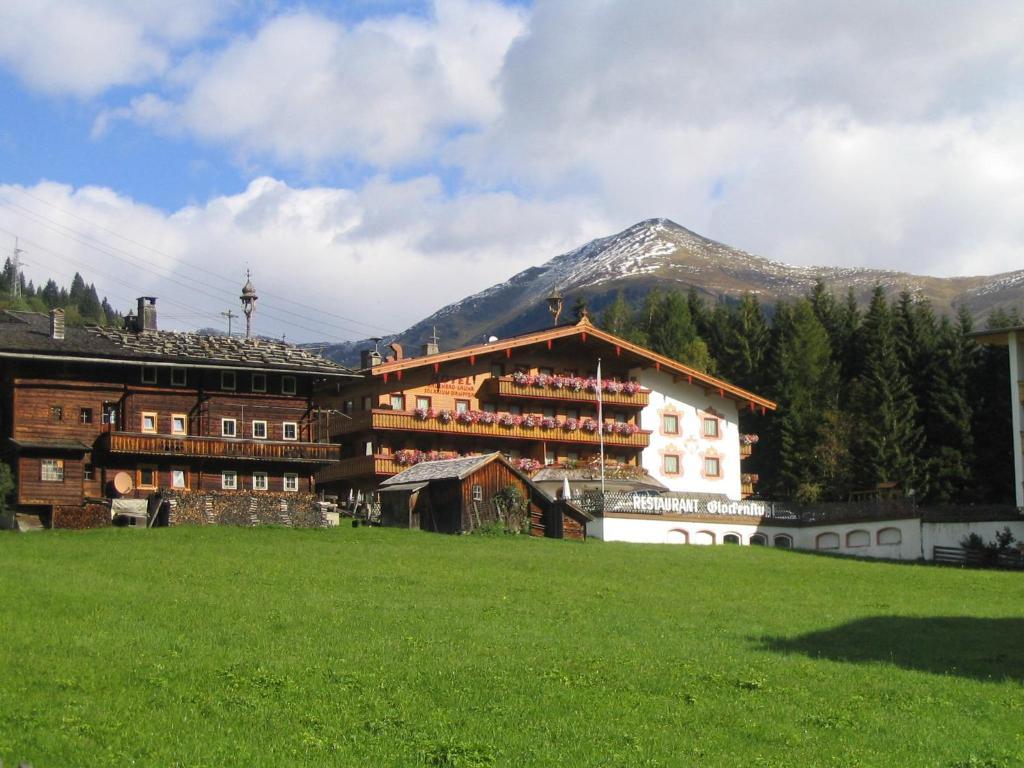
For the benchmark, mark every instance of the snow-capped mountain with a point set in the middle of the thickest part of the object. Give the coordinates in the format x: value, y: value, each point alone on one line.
x: 659, y: 252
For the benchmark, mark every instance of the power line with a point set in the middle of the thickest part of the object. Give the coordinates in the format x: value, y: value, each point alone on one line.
x: 318, y: 310
x: 138, y: 263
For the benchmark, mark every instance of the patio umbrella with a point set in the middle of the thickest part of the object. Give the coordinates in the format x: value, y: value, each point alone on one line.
x: 566, y: 493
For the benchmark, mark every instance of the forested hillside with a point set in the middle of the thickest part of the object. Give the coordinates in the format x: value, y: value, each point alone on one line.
x: 891, y: 393
x: 80, y: 302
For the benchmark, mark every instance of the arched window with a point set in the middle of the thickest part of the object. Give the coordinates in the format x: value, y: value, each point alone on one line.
x: 858, y: 539
x: 703, y: 537
x: 677, y: 536
x: 783, y: 541
x: 890, y: 536
x: 759, y: 539
x: 732, y: 538
x: 827, y: 540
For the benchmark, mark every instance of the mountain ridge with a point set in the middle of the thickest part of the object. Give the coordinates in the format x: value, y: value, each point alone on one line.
x: 661, y: 253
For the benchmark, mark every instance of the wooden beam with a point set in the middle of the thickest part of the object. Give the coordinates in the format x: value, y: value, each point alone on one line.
x: 549, y: 343
x: 618, y: 351
x: 472, y: 359
x: 437, y: 368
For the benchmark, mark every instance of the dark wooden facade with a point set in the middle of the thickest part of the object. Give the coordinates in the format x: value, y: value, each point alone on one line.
x: 71, y: 427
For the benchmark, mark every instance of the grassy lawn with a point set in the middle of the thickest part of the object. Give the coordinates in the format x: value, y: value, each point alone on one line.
x: 370, y: 647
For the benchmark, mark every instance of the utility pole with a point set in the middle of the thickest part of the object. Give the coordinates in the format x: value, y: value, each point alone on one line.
x: 230, y: 316
x: 16, y: 264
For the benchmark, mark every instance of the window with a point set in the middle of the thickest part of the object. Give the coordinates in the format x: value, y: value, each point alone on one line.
x: 462, y: 406
x: 368, y: 450
x: 731, y: 538
x: 890, y: 536
x: 228, y: 380
x: 85, y: 416
x: 57, y: 413
x: 228, y: 427
x: 423, y: 403
x: 179, y: 424
x: 670, y: 424
x: 291, y: 481
x: 572, y: 413
x: 367, y: 403
x: 288, y: 385
x: 398, y: 402
x: 52, y: 471
x: 497, y: 371
x: 858, y: 539
x: 259, y: 430
x: 546, y: 371
x: 259, y: 481
x: 229, y: 480
x: 548, y: 412
x: 148, y: 374
x: 110, y: 413
x: 670, y: 464
x: 179, y: 478
x: 259, y: 382
x: 147, y: 477
x: 87, y: 472
x: 149, y: 421
x: 710, y: 428
x: 290, y: 430
x: 572, y: 456
x: 179, y: 377
x: 621, y: 418
x: 489, y: 408
x: 782, y: 541
x: 515, y: 410
x: 712, y: 466
x: 759, y: 540
x: 478, y: 493
x: 549, y: 457
x: 827, y: 541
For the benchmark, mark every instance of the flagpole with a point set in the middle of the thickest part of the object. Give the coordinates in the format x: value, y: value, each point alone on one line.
x: 600, y: 426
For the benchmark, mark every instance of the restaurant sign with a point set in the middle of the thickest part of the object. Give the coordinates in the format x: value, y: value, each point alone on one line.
x: 681, y: 504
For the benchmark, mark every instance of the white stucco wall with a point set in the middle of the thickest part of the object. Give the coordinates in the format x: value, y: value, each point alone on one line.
x: 657, y: 530
x: 688, y: 400
x: 950, y: 534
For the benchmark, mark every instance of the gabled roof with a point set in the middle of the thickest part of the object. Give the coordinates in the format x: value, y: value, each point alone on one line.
x: 584, y: 329
x: 444, y: 469
x: 28, y: 333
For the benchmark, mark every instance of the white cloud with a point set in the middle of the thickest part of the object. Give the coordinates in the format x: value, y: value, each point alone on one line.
x: 305, y: 89
x: 387, y: 254
x: 83, y: 47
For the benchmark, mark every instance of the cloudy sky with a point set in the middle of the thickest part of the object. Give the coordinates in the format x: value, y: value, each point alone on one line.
x: 373, y: 160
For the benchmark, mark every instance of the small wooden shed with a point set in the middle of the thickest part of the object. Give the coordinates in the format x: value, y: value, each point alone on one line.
x: 461, y: 495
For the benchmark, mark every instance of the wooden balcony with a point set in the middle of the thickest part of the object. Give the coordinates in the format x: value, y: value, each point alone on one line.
x: 360, y: 466
x: 138, y: 443
x: 404, y: 421
x: 507, y: 388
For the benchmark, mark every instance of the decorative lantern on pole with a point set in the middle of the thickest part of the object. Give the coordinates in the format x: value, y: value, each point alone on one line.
x: 555, y: 305
x: 248, y: 298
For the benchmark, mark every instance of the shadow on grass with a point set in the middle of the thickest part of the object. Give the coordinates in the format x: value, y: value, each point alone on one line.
x: 983, y: 649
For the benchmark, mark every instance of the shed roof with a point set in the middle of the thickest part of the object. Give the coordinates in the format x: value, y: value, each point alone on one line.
x: 444, y: 469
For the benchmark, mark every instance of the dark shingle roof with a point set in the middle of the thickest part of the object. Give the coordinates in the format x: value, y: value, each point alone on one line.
x: 446, y: 469
x: 29, y: 333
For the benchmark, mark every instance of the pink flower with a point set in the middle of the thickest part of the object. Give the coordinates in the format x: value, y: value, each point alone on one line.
x: 445, y: 416
x: 548, y: 423
x: 570, y: 425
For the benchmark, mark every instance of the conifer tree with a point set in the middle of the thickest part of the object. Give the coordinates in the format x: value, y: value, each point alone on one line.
x: 890, y: 438
x: 672, y: 332
x: 739, y: 338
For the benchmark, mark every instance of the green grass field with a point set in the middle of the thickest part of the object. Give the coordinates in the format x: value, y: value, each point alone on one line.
x: 371, y: 647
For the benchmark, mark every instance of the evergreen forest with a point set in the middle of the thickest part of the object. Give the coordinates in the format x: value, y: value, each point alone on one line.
x: 890, y: 393
x: 80, y: 302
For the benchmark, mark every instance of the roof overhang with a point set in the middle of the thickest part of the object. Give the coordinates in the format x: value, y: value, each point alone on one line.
x: 997, y: 337
x: 584, y: 330
x: 51, y: 444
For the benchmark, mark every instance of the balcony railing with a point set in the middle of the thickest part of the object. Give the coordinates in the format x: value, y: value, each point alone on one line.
x: 360, y: 466
x: 218, y: 447
x: 409, y: 422
x: 507, y: 387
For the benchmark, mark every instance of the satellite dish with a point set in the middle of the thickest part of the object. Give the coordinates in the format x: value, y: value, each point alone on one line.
x: 491, y: 339
x: 123, y: 483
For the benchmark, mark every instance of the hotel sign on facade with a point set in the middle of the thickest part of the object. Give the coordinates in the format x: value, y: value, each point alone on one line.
x: 687, y: 504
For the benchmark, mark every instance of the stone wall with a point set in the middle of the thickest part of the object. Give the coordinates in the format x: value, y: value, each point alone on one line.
x: 297, y: 510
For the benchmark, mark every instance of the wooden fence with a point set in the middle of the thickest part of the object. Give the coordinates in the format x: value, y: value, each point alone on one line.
x: 979, y: 558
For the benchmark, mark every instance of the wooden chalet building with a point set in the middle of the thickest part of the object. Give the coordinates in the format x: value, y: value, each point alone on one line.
x: 533, y: 398
x: 85, y: 411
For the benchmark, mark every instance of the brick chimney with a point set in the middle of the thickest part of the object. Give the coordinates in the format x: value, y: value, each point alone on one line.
x: 146, y: 320
x: 369, y: 358
x: 57, y: 324
x: 432, y: 347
